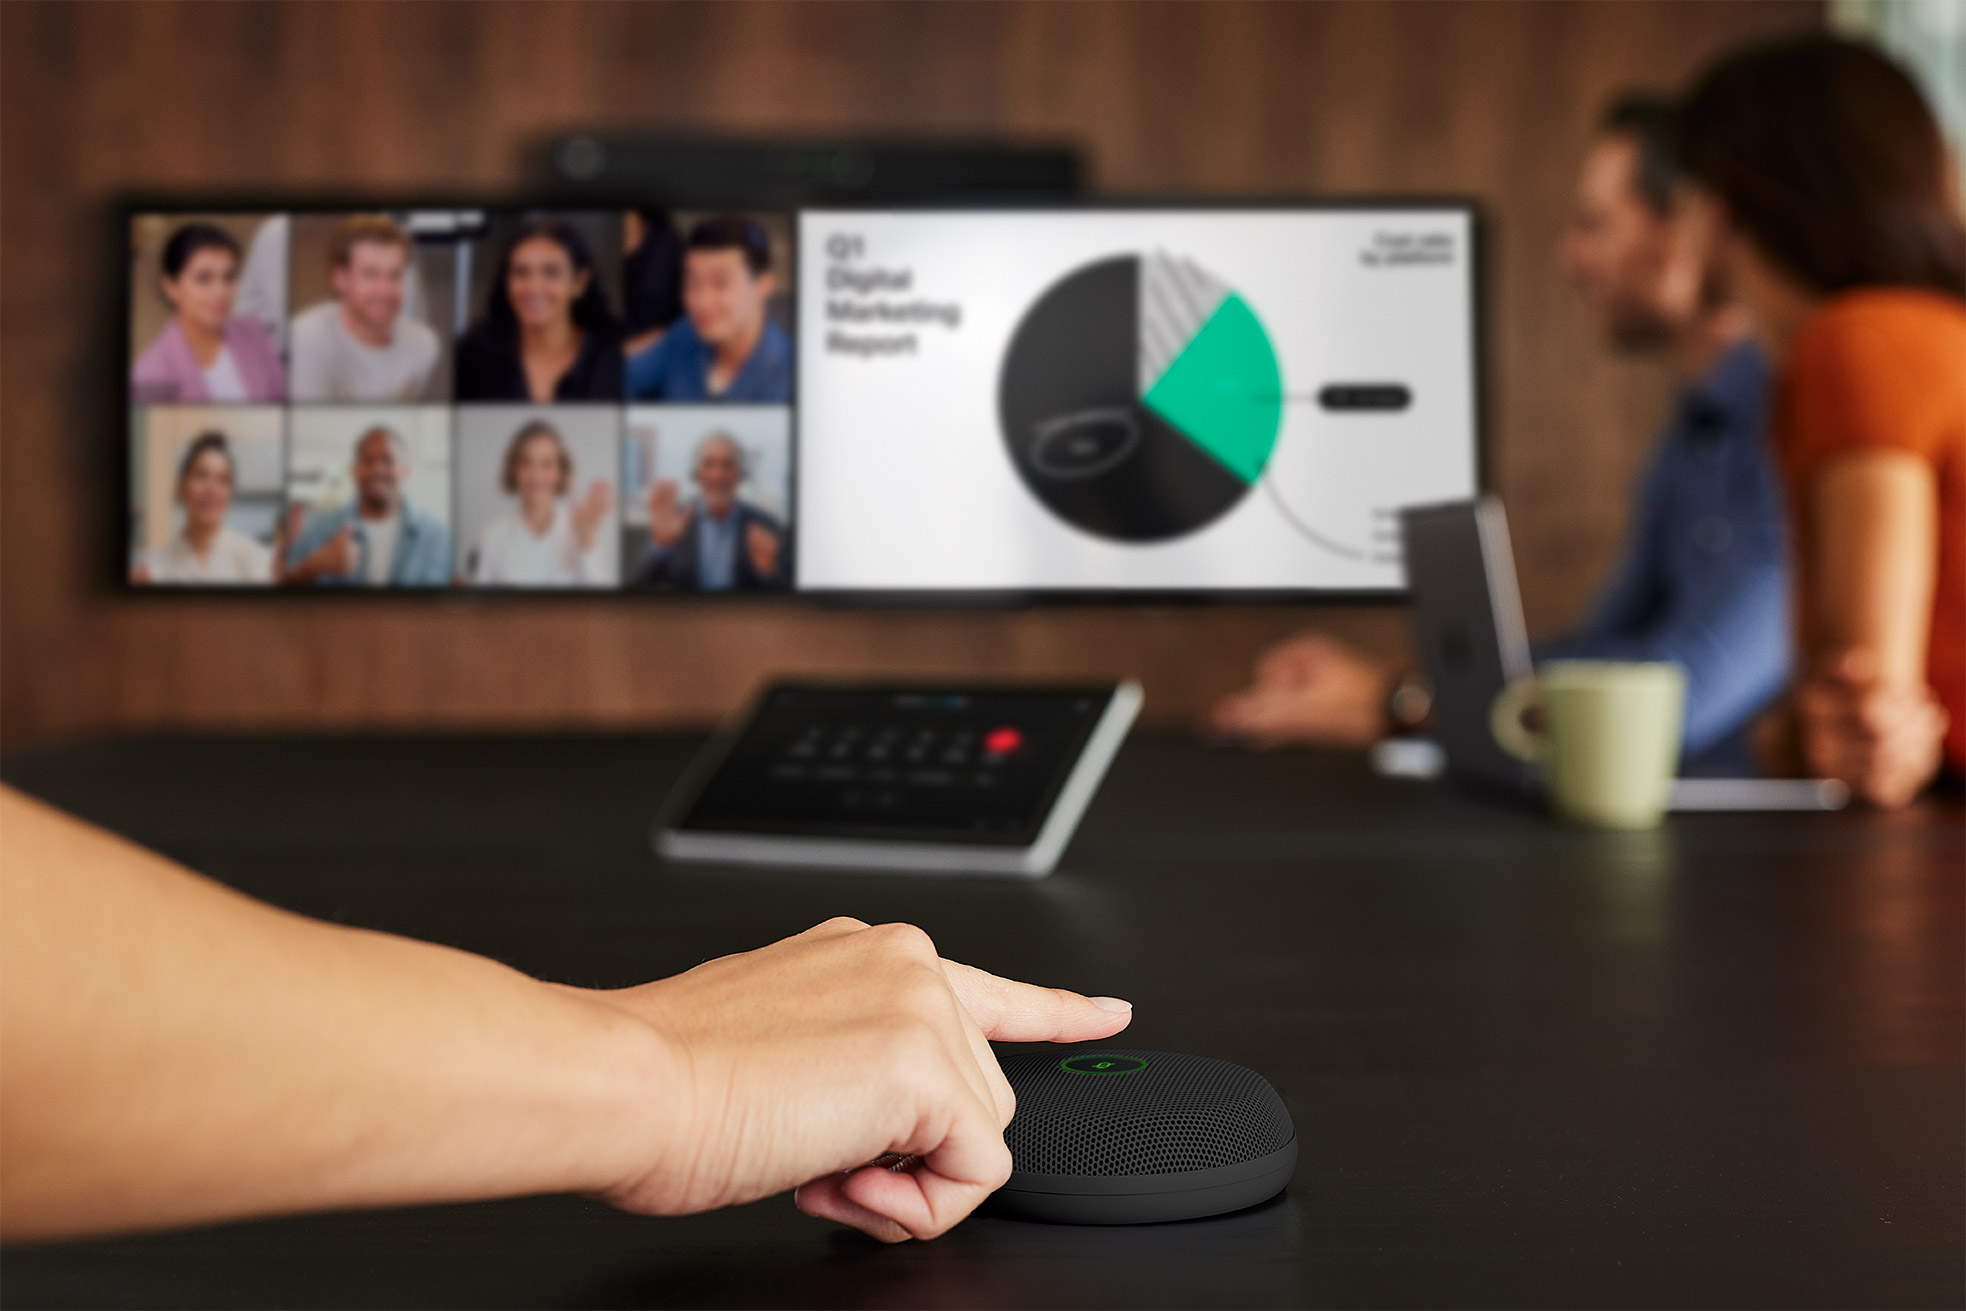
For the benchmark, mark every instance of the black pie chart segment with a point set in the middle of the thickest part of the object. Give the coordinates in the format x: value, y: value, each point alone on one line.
x: 1069, y: 401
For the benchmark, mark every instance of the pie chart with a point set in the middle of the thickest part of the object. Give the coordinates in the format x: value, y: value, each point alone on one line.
x: 1140, y: 398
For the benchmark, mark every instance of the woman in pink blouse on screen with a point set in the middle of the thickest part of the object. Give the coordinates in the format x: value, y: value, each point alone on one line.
x: 205, y: 355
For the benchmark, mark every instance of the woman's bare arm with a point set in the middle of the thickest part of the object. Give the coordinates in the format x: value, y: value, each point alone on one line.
x: 1864, y: 712
x: 172, y: 1052
x: 175, y: 1052
x: 1876, y: 559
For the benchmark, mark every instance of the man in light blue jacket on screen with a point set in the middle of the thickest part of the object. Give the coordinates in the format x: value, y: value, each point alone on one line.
x: 380, y: 539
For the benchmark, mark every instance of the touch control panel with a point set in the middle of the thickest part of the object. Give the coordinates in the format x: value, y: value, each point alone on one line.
x: 972, y: 766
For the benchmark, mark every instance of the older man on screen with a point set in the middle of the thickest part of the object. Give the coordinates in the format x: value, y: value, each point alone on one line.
x: 718, y: 542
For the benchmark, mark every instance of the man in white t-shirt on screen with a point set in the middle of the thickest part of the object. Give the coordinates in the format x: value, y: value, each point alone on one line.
x: 359, y: 346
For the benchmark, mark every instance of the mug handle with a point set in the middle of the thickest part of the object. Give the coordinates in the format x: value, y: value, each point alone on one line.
x: 1505, y: 720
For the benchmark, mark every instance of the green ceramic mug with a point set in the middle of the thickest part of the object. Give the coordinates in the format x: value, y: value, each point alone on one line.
x: 1609, y: 740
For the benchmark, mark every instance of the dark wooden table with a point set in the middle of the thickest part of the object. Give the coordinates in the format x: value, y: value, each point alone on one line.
x: 1716, y: 1064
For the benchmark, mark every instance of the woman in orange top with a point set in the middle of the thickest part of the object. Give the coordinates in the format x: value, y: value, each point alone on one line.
x: 1830, y: 211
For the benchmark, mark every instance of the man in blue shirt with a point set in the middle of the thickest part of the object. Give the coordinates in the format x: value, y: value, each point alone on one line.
x: 380, y: 539
x: 726, y: 348
x: 1704, y: 576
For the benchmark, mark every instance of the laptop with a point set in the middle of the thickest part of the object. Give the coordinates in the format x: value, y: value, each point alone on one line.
x: 1473, y: 643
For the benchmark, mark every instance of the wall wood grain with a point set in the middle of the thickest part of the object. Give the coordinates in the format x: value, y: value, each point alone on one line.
x: 1490, y: 99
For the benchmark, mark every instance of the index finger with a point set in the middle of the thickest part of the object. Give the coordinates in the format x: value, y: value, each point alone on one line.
x: 1008, y: 1011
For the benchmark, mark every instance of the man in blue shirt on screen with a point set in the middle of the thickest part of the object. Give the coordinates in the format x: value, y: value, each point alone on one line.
x: 726, y: 347
x: 1704, y: 576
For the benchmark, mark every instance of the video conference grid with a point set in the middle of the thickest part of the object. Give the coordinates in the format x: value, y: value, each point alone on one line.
x: 461, y: 398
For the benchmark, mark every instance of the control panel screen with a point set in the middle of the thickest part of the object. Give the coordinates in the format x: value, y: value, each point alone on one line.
x: 910, y: 763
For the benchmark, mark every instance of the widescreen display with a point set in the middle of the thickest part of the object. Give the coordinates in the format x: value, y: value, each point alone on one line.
x: 902, y: 403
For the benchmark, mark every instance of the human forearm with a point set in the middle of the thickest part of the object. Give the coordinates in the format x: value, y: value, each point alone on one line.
x: 1874, y: 571
x: 174, y: 1052
x: 1864, y: 712
x: 239, y: 1060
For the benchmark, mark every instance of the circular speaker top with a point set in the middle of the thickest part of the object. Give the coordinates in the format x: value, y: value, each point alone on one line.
x: 1115, y: 1112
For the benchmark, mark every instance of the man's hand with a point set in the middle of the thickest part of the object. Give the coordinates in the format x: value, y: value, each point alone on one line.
x: 850, y: 1062
x: 1311, y: 689
x: 1884, y: 741
x: 334, y: 558
x: 592, y: 512
x: 761, y: 544
x: 668, y: 520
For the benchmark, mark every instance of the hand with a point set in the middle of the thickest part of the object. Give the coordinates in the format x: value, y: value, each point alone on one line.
x: 667, y: 517
x: 1310, y: 689
x: 811, y: 1062
x: 761, y: 543
x: 592, y: 512
x: 334, y: 558
x: 283, y: 537
x: 1884, y: 741
x: 140, y: 573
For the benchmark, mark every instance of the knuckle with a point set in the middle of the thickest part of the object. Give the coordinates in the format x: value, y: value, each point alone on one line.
x: 907, y: 940
x: 923, y: 992
x: 1000, y: 1169
x: 843, y: 922
x: 1006, y: 1106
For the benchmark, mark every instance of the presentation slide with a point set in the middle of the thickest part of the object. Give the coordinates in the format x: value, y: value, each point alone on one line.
x: 1157, y: 400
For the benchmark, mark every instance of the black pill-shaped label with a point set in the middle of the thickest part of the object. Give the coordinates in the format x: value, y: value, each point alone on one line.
x: 1365, y: 396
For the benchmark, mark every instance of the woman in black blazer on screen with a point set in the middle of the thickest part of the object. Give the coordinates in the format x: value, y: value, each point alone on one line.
x: 547, y: 333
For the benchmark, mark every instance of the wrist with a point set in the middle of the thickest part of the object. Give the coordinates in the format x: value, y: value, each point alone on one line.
x: 637, y: 1102
x: 1407, y: 702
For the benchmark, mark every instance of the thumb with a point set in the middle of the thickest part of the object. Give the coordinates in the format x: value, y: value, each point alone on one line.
x: 1008, y: 1011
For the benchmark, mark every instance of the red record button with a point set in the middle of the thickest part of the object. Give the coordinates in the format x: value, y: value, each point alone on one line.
x: 1002, y: 741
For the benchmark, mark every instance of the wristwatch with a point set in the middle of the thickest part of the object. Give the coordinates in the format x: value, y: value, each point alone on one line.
x: 1408, y: 703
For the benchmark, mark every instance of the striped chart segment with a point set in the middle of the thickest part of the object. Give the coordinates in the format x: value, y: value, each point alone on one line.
x: 1177, y: 296
x: 1206, y: 365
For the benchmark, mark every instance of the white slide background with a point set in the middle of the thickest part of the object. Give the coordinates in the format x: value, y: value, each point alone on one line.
x: 905, y: 482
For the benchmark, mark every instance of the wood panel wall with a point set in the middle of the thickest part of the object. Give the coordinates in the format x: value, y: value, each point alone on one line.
x: 1492, y: 99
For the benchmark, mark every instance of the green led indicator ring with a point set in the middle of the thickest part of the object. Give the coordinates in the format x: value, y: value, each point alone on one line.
x: 1099, y: 1063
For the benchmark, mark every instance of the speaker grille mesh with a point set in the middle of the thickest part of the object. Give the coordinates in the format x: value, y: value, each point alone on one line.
x: 1179, y: 1113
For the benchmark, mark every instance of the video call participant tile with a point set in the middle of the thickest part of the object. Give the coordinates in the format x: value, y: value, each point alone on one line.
x: 206, y: 487
x: 707, y: 493
x: 375, y: 304
x: 544, y: 293
x: 208, y: 309
x: 537, y: 500
x: 710, y: 307
x: 369, y: 496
